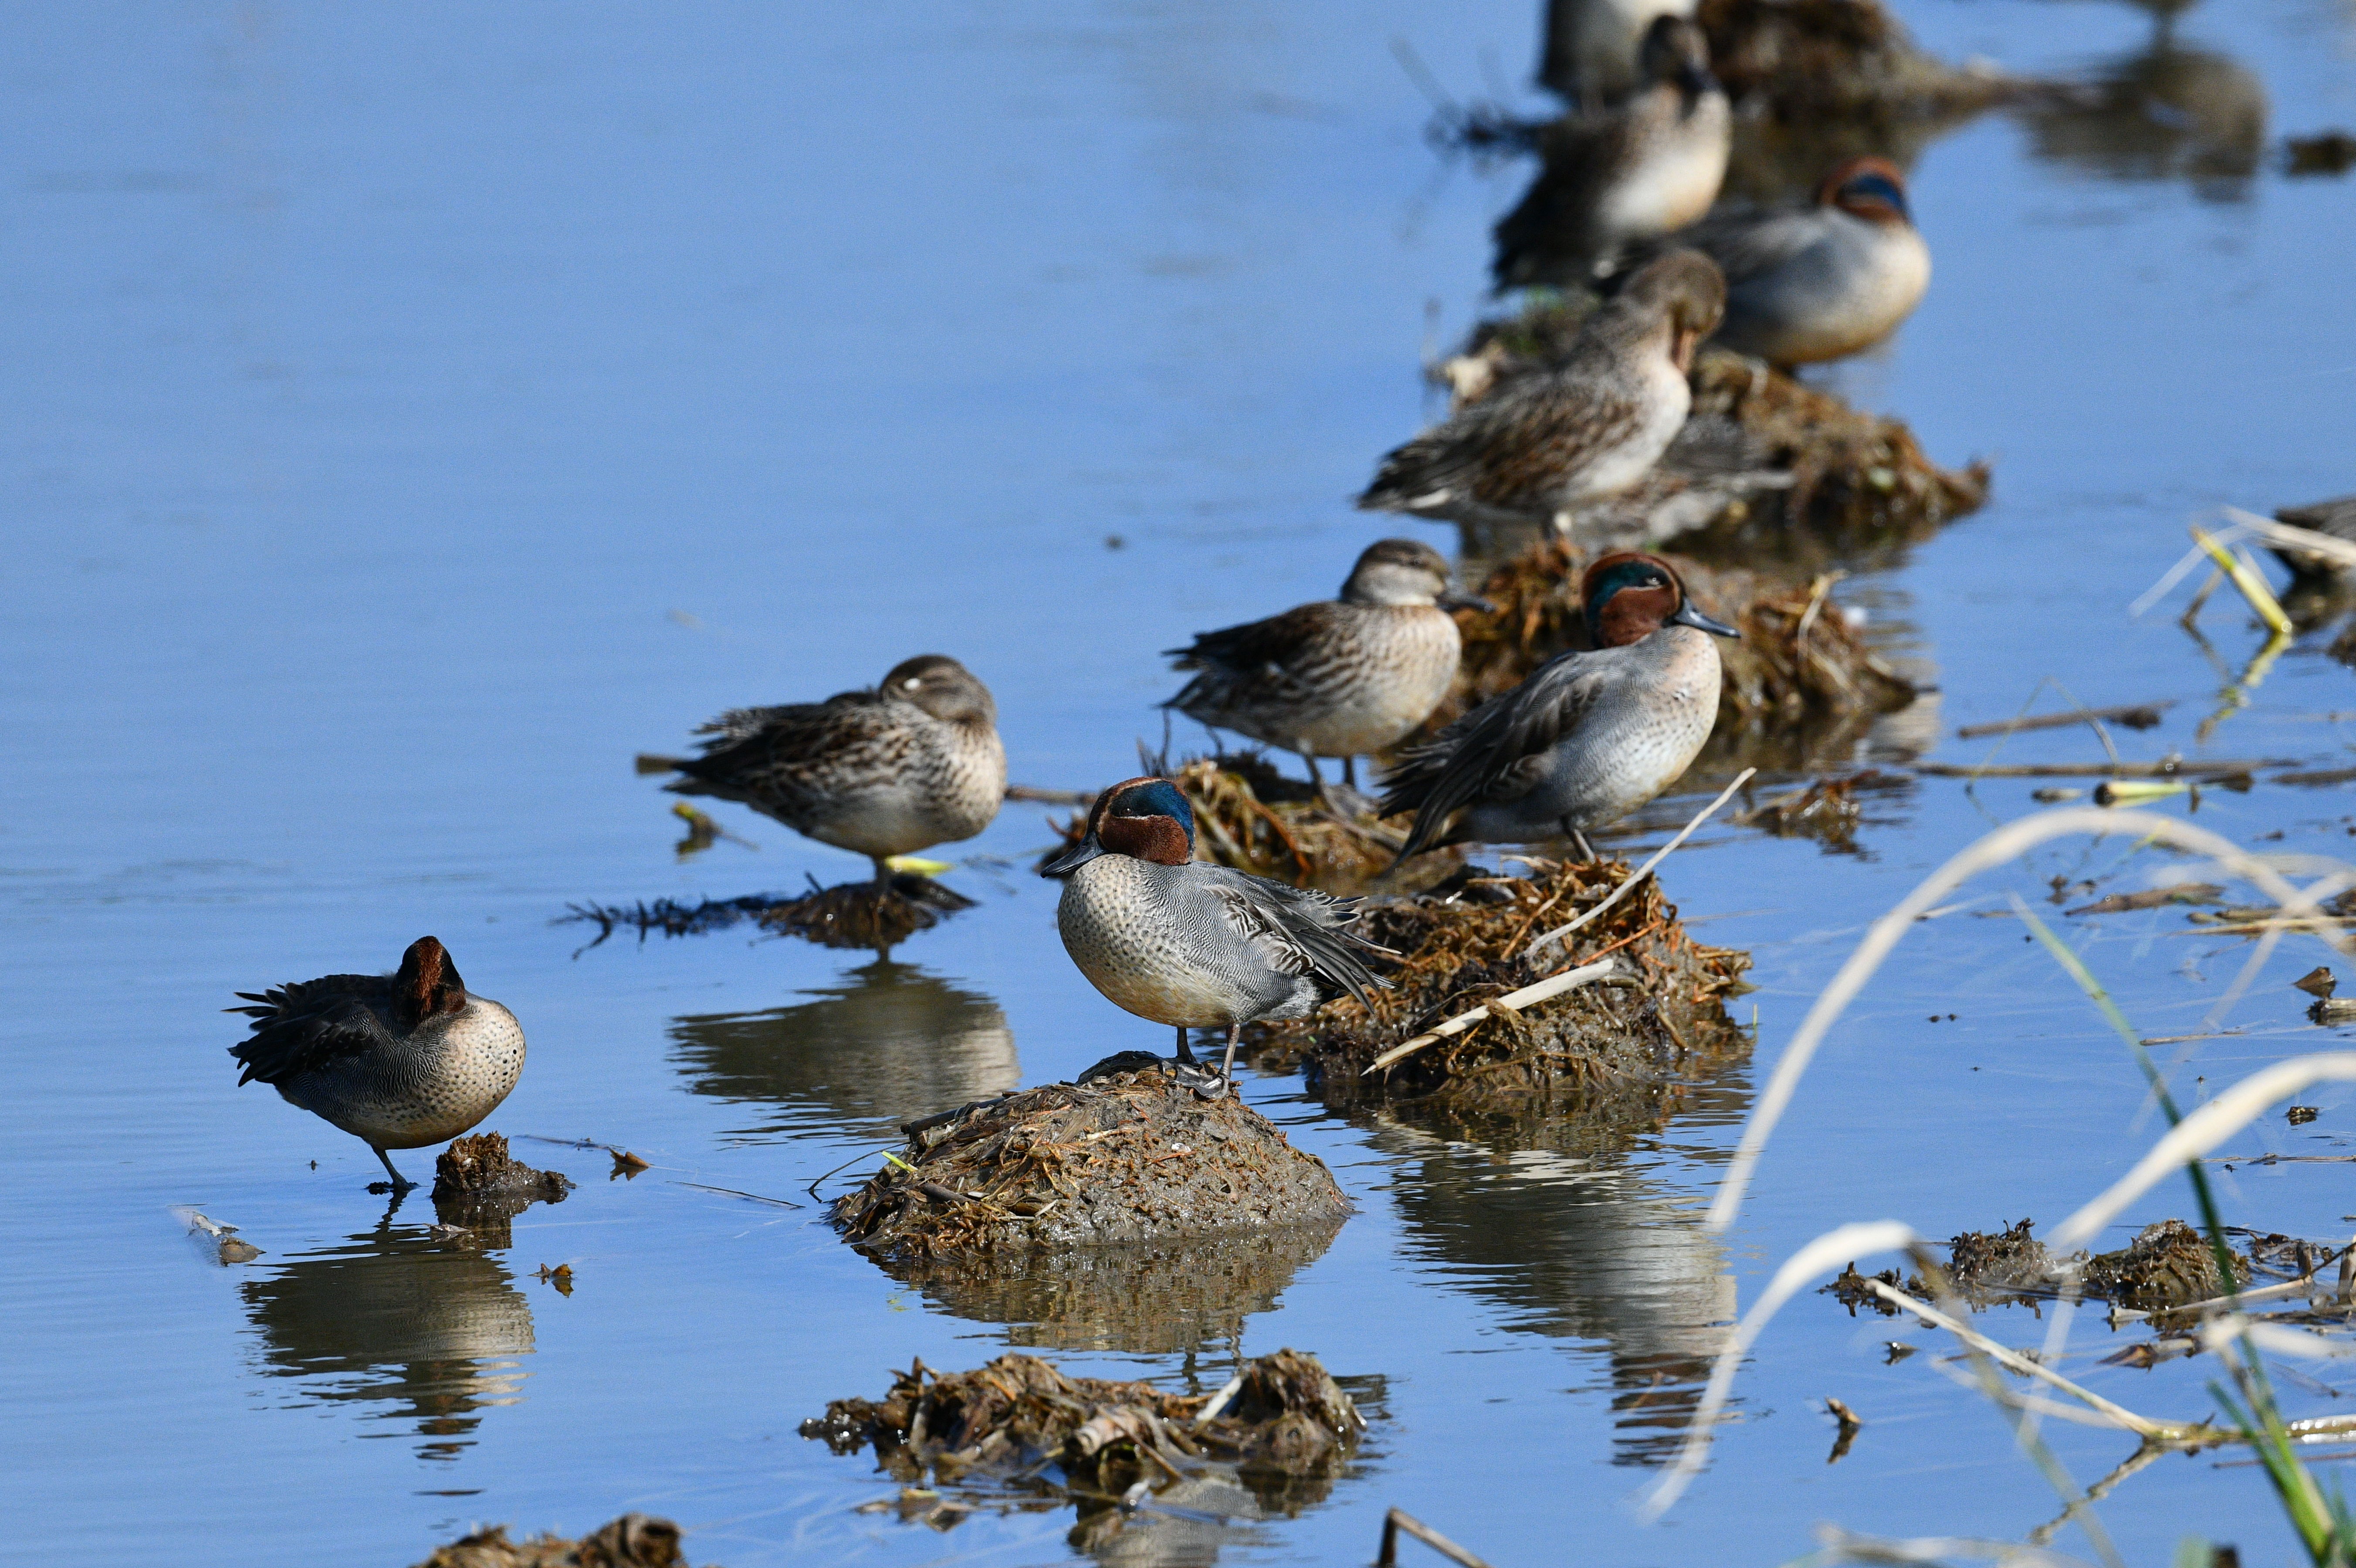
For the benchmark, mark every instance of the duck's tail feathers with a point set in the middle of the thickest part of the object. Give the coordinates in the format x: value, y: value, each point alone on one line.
x: 650, y: 764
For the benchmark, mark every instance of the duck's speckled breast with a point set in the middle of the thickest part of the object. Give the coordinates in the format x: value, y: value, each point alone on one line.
x: 1403, y: 658
x: 1159, y: 949
x: 430, y: 1086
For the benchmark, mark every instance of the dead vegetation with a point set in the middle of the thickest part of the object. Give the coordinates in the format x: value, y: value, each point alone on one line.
x: 2168, y: 1265
x: 849, y: 914
x: 1125, y: 1157
x: 480, y: 1189
x: 1463, y: 945
x: 1283, y: 1418
x: 633, y: 1541
x: 1798, y: 61
x: 1830, y: 810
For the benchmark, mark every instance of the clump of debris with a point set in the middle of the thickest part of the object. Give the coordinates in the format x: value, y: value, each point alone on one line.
x: 1127, y: 1156
x: 850, y: 914
x: 1466, y: 946
x: 479, y: 1188
x: 1830, y: 810
x: 2168, y: 1265
x: 1282, y: 1415
x: 633, y: 1541
x: 1806, y: 60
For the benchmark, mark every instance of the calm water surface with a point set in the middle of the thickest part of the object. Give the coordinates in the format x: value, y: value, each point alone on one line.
x: 414, y: 413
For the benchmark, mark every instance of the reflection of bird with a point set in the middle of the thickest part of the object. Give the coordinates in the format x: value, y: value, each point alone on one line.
x: 1591, y: 735
x: 2166, y: 113
x: 884, y: 1043
x: 1590, y: 46
x: 1617, y: 179
x: 398, y: 1061
x: 1587, y: 427
x: 1341, y: 677
x: 1815, y: 283
x: 915, y: 762
x: 1169, y: 938
x: 394, y: 1317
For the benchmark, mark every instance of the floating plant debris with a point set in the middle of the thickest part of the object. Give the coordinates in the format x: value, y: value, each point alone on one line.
x: 479, y: 1188
x: 633, y: 1541
x: 849, y: 914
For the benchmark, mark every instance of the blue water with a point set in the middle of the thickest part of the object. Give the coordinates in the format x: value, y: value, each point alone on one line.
x: 413, y: 412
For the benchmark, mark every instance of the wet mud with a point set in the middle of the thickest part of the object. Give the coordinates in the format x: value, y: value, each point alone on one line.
x: 1661, y: 1016
x: 849, y: 914
x: 1130, y: 1156
x: 633, y: 1541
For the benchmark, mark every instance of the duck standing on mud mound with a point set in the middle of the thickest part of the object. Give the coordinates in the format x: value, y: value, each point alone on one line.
x: 1815, y: 283
x: 1619, y: 180
x: 1194, y: 945
x: 1591, y: 735
x: 1343, y: 678
x: 915, y: 762
x: 398, y: 1061
x: 1587, y: 428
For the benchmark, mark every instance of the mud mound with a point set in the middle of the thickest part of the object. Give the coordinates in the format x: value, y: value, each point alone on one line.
x: 1127, y: 1158
x: 1765, y: 464
x: 2167, y: 1265
x: 1148, y: 1298
x: 1463, y: 945
x: 633, y: 1541
x: 1283, y: 1415
x: 480, y: 1189
x: 1799, y: 657
x: 850, y: 914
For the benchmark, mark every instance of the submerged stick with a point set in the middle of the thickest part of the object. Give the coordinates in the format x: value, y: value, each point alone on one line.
x: 1643, y: 870
x: 1528, y: 996
x: 1400, y: 1519
x: 2181, y: 767
x: 2134, y: 716
x: 2253, y: 586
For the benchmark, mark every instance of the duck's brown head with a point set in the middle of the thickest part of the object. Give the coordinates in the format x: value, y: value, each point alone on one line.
x: 1870, y: 188
x: 942, y: 688
x: 427, y: 983
x: 1628, y: 597
x: 1685, y: 289
x: 1404, y: 572
x: 1147, y: 819
x: 1674, y: 50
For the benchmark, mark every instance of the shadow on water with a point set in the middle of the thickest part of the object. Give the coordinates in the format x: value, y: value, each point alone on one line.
x: 2164, y: 112
x: 428, y: 1328
x: 886, y: 1042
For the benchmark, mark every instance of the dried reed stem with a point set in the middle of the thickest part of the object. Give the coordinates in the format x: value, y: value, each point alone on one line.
x: 1645, y: 870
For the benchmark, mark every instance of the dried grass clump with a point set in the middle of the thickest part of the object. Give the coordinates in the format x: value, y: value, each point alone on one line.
x: 1287, y: 1418
x: 1463, y: 945
x: 1799, y: 656
x: 850, y: 914
x: 478, y: 1166
x: 1130, y: 1156
x: 2168, y: 1263
x: 1830, y: 810
x: 1802, y: 60
x: 633, y: 1541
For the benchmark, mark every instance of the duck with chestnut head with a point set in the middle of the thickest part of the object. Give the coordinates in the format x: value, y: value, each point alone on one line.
x: 1589, y: 737
x: 1586, y: 428
x: 915, y: 762
x: 1190, y: 944
x: 1805, y: 285
x: 1343, y: 678
x: 398, y: 1061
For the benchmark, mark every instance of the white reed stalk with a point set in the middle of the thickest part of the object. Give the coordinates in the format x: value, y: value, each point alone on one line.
x: 1560, y: 932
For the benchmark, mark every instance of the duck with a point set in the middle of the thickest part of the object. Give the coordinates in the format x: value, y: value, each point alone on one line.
x: 912, y: 762
x: 1615, y: 179
x: 1342, y: 678
x: 1589, y: 427
x: 1195, y: 946
x: 1805, y: 285
x: 398, y: 1061
x: 1590, y: 46
x: 1589, y: 737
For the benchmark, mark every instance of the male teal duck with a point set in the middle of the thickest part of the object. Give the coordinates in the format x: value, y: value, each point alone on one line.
x: 1343, y: 678
x: 1807, y: 286
x: 1591, y: 735
x: 398, y: 1061
x: 914, y: 762
x: 1617, y: 179
x: 1195, y: 946
x: 1589, y: 427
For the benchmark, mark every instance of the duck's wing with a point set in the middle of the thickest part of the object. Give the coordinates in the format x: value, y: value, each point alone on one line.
x: 1550, y: 236
x: 1744, y: 242
x: 1513, y: 451
x: 1490, y: 754
x: 310, y: 1023
x: 1299, y: 930
x: 790, y: 755
x: 1261, y: 661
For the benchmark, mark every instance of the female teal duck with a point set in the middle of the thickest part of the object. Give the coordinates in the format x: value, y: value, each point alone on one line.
x: 1194, y: 945
x: 1343, y: 678
x: 1587, y: 428
x: 1591, y: 735
x: 398, y: 1061
x: 1815, y: 284
x: 915, y: 762
x: 1615, y: 180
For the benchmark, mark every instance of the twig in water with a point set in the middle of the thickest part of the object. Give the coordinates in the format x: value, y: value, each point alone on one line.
x: 2245, y: 578
x: 2134, y: 716
x: 734, y: 1192
x: 1400, y: 1519
x: 1527, y: 997
x: 1560, y: 932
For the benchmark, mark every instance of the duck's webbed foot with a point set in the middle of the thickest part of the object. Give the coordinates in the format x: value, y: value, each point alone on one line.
x: 399, y: 1183
x: 1192, y: 1075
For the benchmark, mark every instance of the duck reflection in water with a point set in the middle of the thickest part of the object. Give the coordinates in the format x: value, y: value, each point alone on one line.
x: 2168, y: 113
x: 1585, y: 1249
x: 886, y: 1042
x: 427, y: 1332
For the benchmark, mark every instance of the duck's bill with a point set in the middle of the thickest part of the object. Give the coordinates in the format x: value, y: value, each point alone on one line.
x: 1690, y: 617
x: 1073, y: 858
x: 1451, y: 600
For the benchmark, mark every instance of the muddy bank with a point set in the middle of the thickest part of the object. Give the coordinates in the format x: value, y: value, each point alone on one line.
x: 479, y: 1188
x: 849, y: 914
x: 633, y: 1541
x: 1766, y: 467
x: 1660, y: 1015
x: 1128, y: 1156
x: 1154, y: 1298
